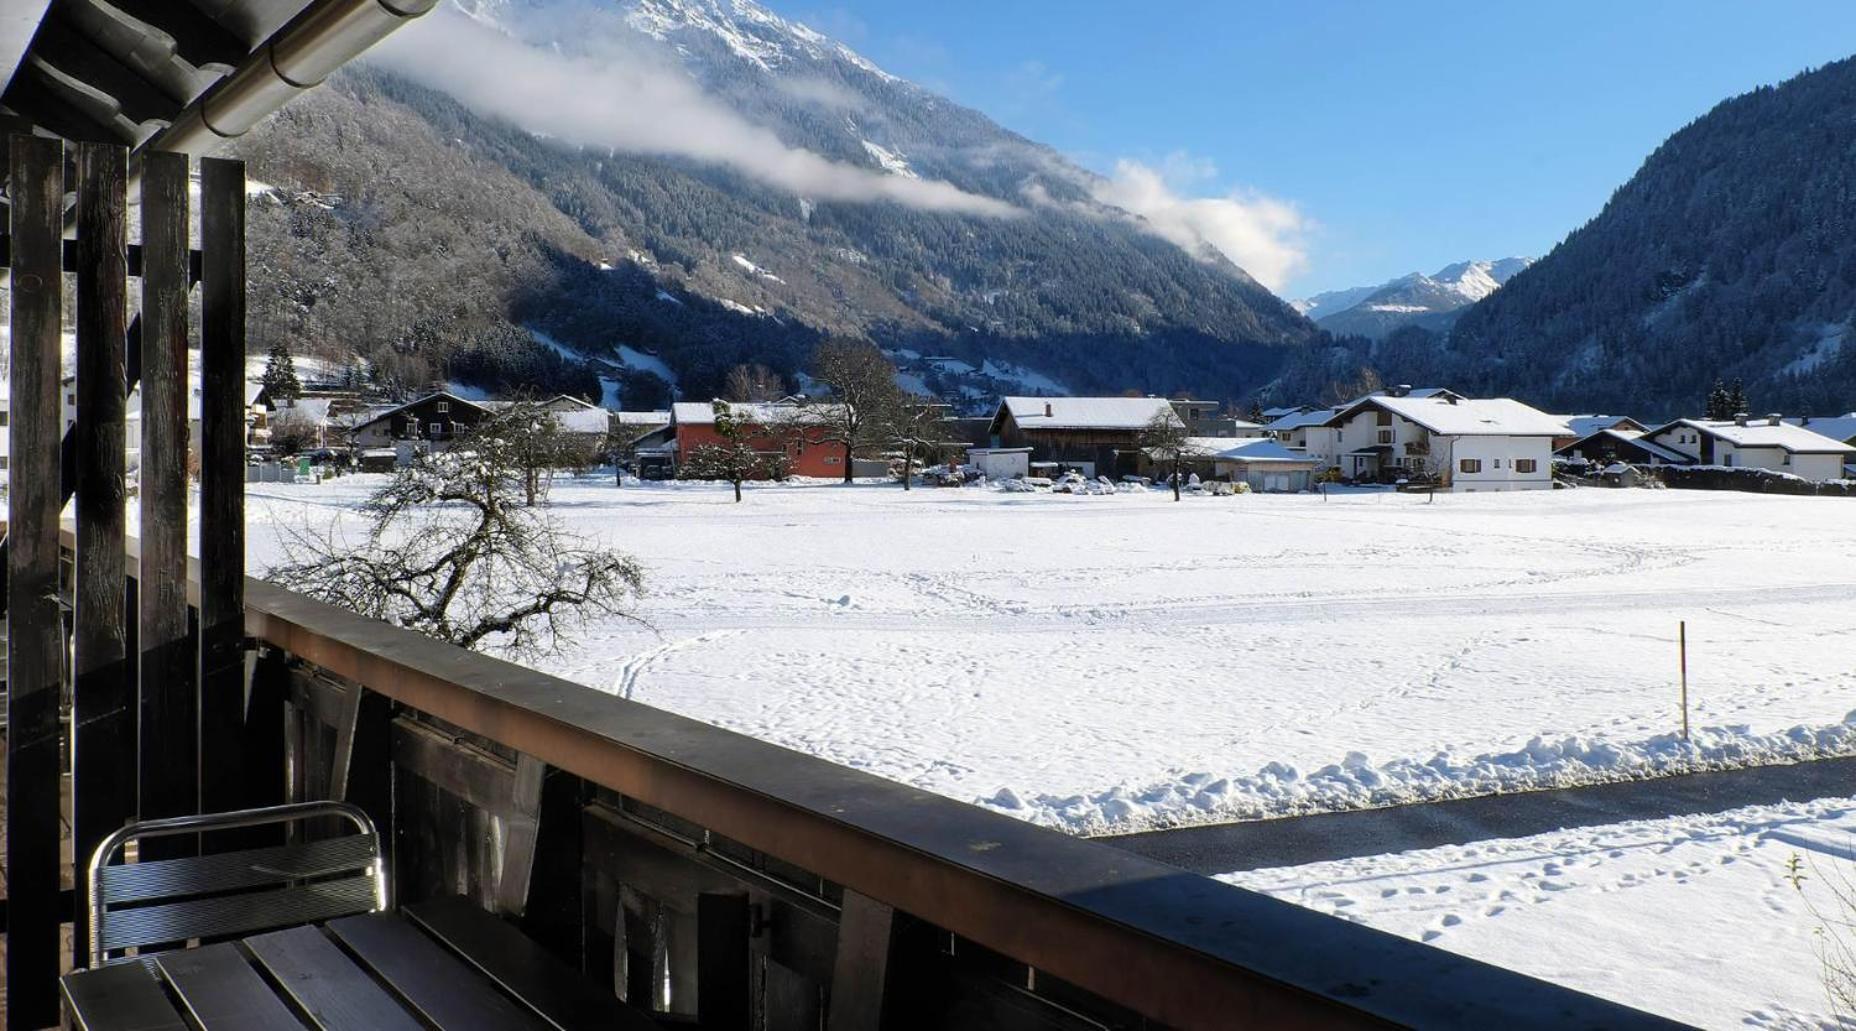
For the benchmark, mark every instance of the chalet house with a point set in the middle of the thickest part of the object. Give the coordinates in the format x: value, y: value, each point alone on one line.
x: 1465, y: 444
x: 1093, y: 435
x: 793, y: 434
x: 1840, y: 428
x: 1765, y: 443
x: 437, y: 418
x: 1607, y: 447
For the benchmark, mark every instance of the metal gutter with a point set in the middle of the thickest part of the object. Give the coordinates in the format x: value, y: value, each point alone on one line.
x: 296, y: 59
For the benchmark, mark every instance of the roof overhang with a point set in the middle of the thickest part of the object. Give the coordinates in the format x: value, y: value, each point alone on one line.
x: 181, y: 75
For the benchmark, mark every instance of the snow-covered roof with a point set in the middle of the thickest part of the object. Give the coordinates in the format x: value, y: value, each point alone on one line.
x: 1413, y: 392
x: 1297, y: 420
x: 1630, y: 437
x: 642, y: 418
x: 1448, y: 416
x: 1762, y: 433
x: 1272, y: 414
x: 759, y: 413
x: 1254, y: 450
x: 308, y: 409
x: 1087, y: 413
x: 1836, y: 427
x: 584, y: 420
x: 1586, y: 425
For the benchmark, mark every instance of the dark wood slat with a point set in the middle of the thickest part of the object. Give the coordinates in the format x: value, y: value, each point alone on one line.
x: 485, y: 781
x: 724, y: 923
x: 435, y: 983
x: 35, y: 646
x: 561, y: 996
x: 265, y: 762
x: 170, y: 784
x: 221, y: 990
x: 122, y: 996
x: 222, y: 484
x: 103, y: 696
x: 327, y: 985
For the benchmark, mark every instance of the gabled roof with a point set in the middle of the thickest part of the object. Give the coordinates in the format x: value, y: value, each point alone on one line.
x: 1586, y: 425
x: 642, y: 418
x: 1761, y: 433
x: 1272, y: 414
x: 1300, y: 419
x: 1087, y: 413
x: 1836, y: 427
x: 758, y: 413
x: 1628, y: 438
x: 435, y: 395
x: 1447, y: 416
x: 1414, y: 392
x: 1258, y: 450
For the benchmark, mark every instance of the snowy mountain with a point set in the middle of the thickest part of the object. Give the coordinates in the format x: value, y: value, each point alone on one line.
x: 1431, y: 301
x: 793, y: 191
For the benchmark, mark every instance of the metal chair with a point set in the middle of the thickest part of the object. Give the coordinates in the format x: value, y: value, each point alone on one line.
x: 232, y: 893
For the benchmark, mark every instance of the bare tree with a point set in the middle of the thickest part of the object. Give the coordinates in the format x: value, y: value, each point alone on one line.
x: 453, y: 551
x: 863, y: 388
x: 916, y: 431
x: 735, y: 459
x: 754, y: 382
x: 1167, y: 445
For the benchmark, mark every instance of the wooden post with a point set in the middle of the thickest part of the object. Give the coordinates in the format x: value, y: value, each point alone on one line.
x: 724, y: 922
x: 222, y: 484
x: 35, y: 634
x: 861, y: 974
x: 103, y: 697
x: 170, y: 754
x: 1682, y: 645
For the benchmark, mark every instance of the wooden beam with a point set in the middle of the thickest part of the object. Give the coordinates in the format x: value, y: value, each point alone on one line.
x: 222, y: 484
x: 859, y: 980
x: 35, y: 635
x: 103, y: 697
x: 170, y: 751
x: 137, y: 258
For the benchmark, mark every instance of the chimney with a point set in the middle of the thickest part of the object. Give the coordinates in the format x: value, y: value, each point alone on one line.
x: 1774, y: 419
x: 1047, y: 412
x: 1740, y: 418
x: 1450, y: 398
x: 1401, y: 390
x: 1804, y: 420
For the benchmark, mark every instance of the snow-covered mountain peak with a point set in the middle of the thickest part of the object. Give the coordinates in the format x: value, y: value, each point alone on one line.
x: 1431, y: 300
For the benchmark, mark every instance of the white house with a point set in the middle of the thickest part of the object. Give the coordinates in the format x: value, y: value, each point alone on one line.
x: 1308, y: 432
x: 1764, y: 443
x: 1263, y: 462
x: 1467, y: 444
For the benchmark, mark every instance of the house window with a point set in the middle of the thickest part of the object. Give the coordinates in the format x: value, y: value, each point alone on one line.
x: 1469, y: 465
x: 437, y: 428
x: 442, y: 406
x: 832, y: 460
x: 1524, y: 465
x: 2, y: 461
x: 1385, y: 436
x: 1385, y: 418
x: 3, y: 415
x: 1498, y: 463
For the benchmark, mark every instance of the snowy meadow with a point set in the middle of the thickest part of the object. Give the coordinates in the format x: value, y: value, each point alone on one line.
x: 1121, y: 662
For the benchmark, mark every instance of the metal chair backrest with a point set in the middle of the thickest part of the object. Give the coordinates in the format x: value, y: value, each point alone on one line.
x: 167, y: 901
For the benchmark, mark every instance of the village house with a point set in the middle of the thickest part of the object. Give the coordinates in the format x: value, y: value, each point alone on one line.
x: 1464, y: 444
x: 791, y: 435
x: 436, y: 418
x: 1764, y: 443
x: 1308, y: 431
x: 1606, y: 447
x: 1093, y: 435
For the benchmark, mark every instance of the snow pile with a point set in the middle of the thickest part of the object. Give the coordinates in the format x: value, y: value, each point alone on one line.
x: 1356, y: 782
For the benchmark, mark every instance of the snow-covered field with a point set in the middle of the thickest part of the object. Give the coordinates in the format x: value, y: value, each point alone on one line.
x: 1116, y: 662
x: 1696, y: 918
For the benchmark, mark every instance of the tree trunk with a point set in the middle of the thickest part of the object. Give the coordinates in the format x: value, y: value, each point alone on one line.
x: 908, y: 468
x: 847, y: 461
x: 737, y: 492
x: 1175, y: 479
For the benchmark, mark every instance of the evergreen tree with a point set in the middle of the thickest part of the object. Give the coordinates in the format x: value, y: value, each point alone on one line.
x: 1737, y: 403
x: 280, y: 375
x: 1719, y: 406
x: 1256, y: 413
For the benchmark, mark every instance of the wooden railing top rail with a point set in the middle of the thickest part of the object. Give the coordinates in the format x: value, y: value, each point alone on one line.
x: 1174, y: 946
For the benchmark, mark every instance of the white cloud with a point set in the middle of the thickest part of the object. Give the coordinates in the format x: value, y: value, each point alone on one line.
x: 1264, y: 236
x: 625, y: 96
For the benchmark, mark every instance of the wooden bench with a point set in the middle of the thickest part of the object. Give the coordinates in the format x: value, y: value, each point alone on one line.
x: 444, y: 964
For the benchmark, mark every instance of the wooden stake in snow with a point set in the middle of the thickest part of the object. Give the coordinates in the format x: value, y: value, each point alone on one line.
x: 1682, y: 645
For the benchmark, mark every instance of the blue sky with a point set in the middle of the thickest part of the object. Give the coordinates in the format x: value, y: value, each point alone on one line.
x: 1406, y: 134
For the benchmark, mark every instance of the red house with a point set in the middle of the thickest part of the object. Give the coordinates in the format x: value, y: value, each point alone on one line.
x: 796, y: 431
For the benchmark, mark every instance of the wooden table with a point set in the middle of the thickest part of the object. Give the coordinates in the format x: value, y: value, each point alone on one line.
x: 444, y: 964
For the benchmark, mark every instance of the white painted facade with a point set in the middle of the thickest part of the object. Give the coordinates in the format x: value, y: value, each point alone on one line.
x: 1762, y: 443
x: 1466, y: 444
